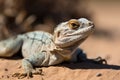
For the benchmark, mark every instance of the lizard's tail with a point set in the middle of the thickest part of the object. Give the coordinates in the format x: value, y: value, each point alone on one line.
x: 10, y: 46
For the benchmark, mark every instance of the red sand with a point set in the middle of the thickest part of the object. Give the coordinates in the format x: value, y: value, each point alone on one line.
x: 105, y: 47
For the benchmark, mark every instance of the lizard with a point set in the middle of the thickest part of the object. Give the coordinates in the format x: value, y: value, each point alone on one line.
x: 40, y: 48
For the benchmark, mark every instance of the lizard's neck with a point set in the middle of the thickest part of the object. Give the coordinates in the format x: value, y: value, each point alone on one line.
x: 66, y: 52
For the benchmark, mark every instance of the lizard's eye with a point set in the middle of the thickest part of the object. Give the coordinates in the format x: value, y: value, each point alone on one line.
x: 73, y: 24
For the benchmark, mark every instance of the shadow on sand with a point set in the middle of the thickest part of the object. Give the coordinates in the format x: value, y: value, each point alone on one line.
x: 87, y: 65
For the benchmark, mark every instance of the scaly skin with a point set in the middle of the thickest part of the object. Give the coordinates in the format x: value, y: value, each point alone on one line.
x: 43, y: 49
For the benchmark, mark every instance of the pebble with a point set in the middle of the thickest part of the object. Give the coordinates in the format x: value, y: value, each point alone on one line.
x: 7, y: 76
x: 19, y: 66
x: 99, y: 74
x: 2, y: 76
x: 6, y: 69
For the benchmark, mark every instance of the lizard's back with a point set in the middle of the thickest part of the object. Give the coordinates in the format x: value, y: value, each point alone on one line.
x: 36, y: 42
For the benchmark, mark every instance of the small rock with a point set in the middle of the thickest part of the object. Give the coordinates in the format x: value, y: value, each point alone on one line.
x: 7, y: 76
x: 6, y: 69
x: 2, y: 76
x: 19, y: 66
x: 99, y: 74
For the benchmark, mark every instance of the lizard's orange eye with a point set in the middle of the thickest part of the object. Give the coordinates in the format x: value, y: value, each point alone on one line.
x: 73, y: 24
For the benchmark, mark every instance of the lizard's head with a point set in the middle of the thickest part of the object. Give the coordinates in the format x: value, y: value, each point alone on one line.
x: 73, y: 31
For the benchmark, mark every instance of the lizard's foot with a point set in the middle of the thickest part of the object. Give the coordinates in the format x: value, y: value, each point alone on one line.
x: 22, y: 75
x: 99, y: 60
x: 28, y: 74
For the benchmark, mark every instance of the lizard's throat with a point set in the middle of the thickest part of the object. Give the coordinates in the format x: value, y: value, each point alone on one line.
x: 66, y: 52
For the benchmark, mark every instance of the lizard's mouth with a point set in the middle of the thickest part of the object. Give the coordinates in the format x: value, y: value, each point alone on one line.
x: 80, y: 31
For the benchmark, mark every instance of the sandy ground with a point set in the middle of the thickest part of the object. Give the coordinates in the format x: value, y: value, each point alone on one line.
x: 94, y: 46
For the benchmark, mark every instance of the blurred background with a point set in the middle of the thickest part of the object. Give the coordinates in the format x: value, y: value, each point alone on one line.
x: 20, y: 16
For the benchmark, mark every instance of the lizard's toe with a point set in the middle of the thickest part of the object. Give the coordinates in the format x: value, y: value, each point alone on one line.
x: 38, y: 72
x: 23, y: 75
x: 99, y: 60
x: 15, y: 74
x: 29, y: 75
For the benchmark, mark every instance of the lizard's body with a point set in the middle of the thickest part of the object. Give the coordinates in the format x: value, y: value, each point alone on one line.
x: 41, y: 50
x: 44, y: 49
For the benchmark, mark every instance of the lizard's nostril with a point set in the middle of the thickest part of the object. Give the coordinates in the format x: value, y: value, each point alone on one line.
x: 91, y: 24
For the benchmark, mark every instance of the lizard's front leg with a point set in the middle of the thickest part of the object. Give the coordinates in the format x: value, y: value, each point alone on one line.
x: 28, y: 68
x: 28, y: 63
x: 80, y: 56
x: 29, y: 71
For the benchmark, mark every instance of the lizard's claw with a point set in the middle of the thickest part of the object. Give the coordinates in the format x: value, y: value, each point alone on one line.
x: 37, y: 72
x: 15, y: 74
x: 99, y: 60
x: 22, y: 75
